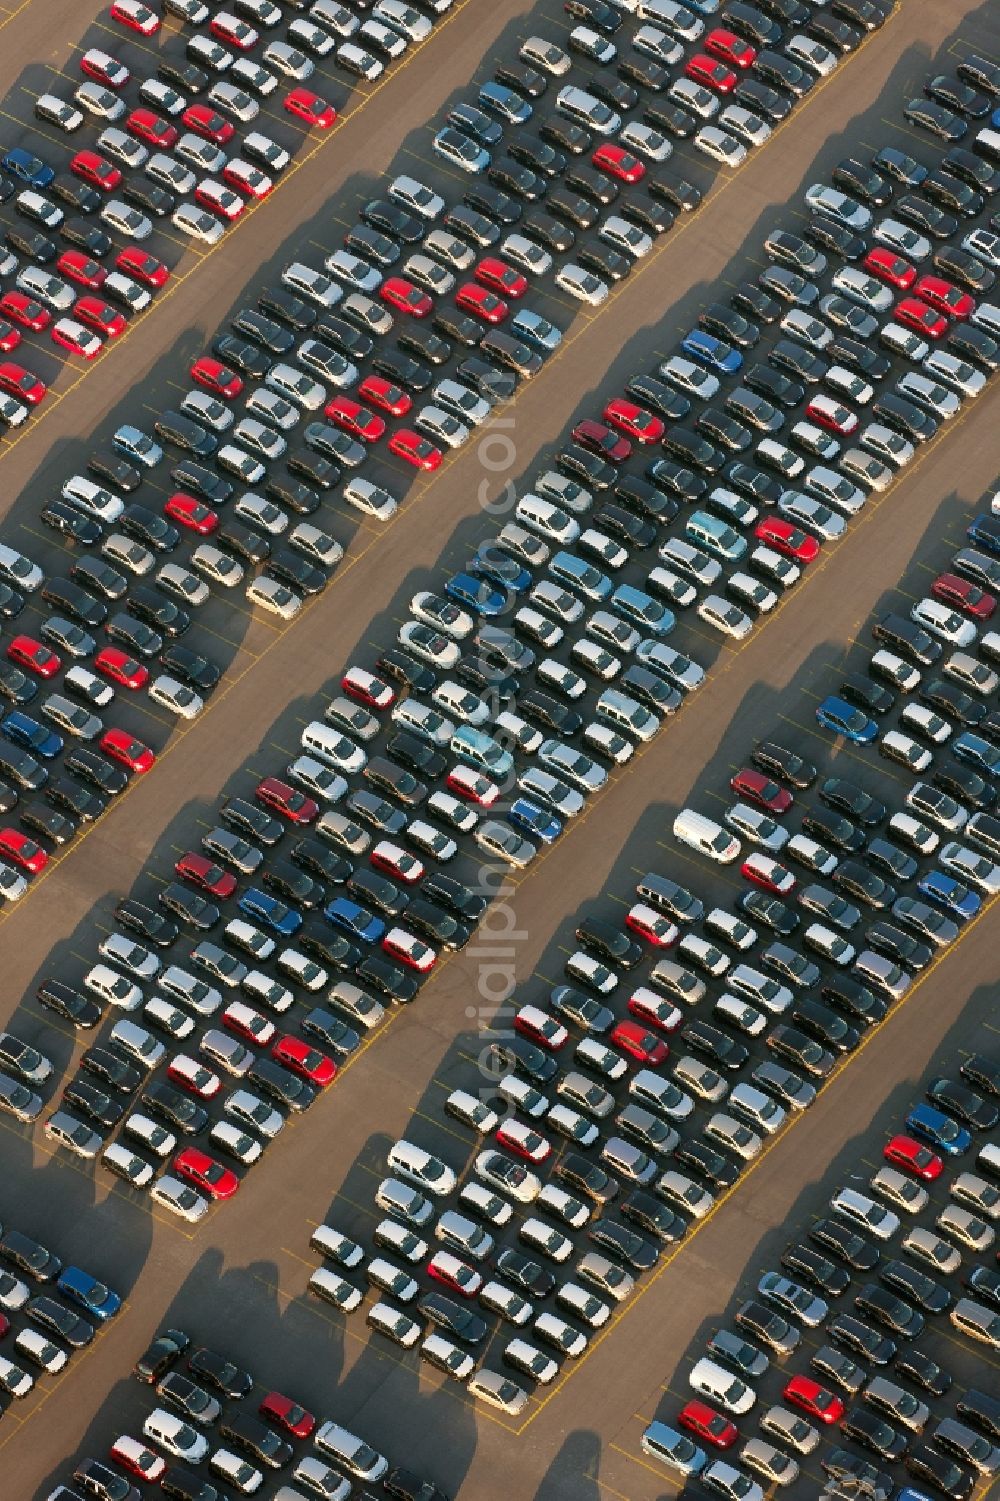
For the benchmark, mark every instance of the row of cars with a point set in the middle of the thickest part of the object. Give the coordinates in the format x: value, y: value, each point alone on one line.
x: 48, y: 1308
x: 861, y: 1292
x: 207, y: 1410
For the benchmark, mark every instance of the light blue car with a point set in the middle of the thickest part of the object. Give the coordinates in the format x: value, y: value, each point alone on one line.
x: 536, y: 330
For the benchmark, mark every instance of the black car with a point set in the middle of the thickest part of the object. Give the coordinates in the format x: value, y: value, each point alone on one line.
x: 777, y: 388
x: 915, y: 1286
x: 516, y: 1055
x: 765, y: 1325
x: 963, y: 1103
x: 148, y: 527
x: 215, y: 1371
x: 848, y: 797
x: 678, y: 479
x: 109, y: 1066
x: 287, y: 308
x: 769, y: 910
x: 47, y: 822
x: 713, y: 1043
x: 751, y: 22
x: 852, y: 352
x: 854, y: 999
x: 198, y: 480
x: 30, y: 1257
x: 252, y: 822
x: 964, y: 784
x: 861, y: 181
x: 926, y: 216
x: 245, y: 1431
x: 797, y: 1047
x: 823, y: 1024
x: 529, y: 1277
x: 807, y: 1265
x: 159, y: 1356
x: 70, y: 599
x: 460, y: 1322
x: 56, y: 1319
x: 874, y: 1433
x: 893, y: 1313
x: 179, y: 1110
x: 923, y: 1371
x: 860, y: 1338
x: 901, y: 947
x: 150, y: 925
x: 984, y: 1283
x: 624, y: 1245
x: 866, y: 694
x: 844, y: 1244
x: 954, y: 194
x: 831, y: 829
x: 390, y: 219
x: 93, y: 1103
x: 698, y: 1155
x: 787, y: 766
x: 71, y: 522
x: 982, y: 1071
x: 152, y: 609
x: 263, y: 331
x: 191, y: 668
x: 928, y: 1463
x: 976, y: 345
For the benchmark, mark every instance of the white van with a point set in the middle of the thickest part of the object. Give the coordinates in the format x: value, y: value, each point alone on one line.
x: 331, y: 747
x: 420, y: 1167
x: 706, y: 836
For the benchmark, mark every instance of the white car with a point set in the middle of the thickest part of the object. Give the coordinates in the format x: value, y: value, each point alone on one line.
x: 812, y: 514
x: 356, y: 60
x: 198, y: 224
x: 946, y: 624
x: 647, y: 141
x: 720, y: 145
x: 902, y: 238
x: 175, y: 696
x: 353, y: 269
x: 724, y: 617
x: 864, y: 1212
x: 126, y: 219
x: 217, y: 566
x: 171, y: 1433
x: 289, y: 60
x: 744, y: 124
x: 441, y: 426
x: 106, y: 983
x: 429, y: 645
x: 720, y: 1386
x: 821, y: 199
x: 983, y: 244
x: 276, y: 599
x: 625, y: 236
x: 416, y: 196
x: 179, y: 1198
x: 526, y: 254
x: 581, y: 284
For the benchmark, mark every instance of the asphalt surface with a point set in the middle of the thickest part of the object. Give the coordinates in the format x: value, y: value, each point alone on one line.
x: 234, y: 1288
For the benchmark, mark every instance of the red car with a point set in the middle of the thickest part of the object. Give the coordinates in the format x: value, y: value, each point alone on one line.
x: 137, y: 1459
x: 405, y: 297
x: 832, y: 415
x: 193, y: 1076
x: 455, y: 1274
x: 216, y: 377
x: 963, y: 595
x: 618, y: 162
x: 408, y: 445
x: 113, y: 663
x: 146, y: 125
x: 76, y: 339
x: 367, y: 689
x: 602, y: 440
x: 814, y: 1399
x: 541, y: 1028
x: 22, y: 850
x: 913, y: 1157
x: 382, y: 393
x: 143, y: 266
x: 100, y: 316
x: 393, y: 861
x: 500, y: 277
x: 104, y: 68
x: 944, y: 296
x: 473, y: 786
x: 199, y: 871
x: 481, y: 302
x: 758, y: 789
x: 191, y: 513
x: 10, y: 337
x: 96, y: 170
x: 204, y: 1172
x: 219, y: 199
x: 655, y: 1009
x: 120, y: 746
x: 712, y: 73
x: 711, y: 1426
x: 523, y: 1141
x: 25, y: 310
x: 641, y: 1045
x: 308, y: 1062
x: 247, y: 1023
x: 634, y: 421
x: 652, y: 926
x: 765, y: 871
x: 80, y: 268
x: 729, y: 48
x: 890, y: 267
x: 246, y: 178
x: 137, y: 17
x: 36, y: 657
x: 913, y: 313
x: 310, y: 107
x: 21, y: 383
x: 786, y: 538
x: 355, y: 418
x: 284, y: 800
x: 409, y: 950
x: 229, y: 28
x: 287, y: 1414
x: 207, y: 122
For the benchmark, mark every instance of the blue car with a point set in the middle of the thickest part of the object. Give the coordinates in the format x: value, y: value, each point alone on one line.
x: 35, y: 737
x: 28, y: 168
x: 476, y: 594
x: 501, y: 569
x: 580, y: 575
x: 536, y: 330
x: 270, y: 912
x: 535, y: 821
x: 641, y: 609
x: 944, y: 891
x: 938, y: 1130
x: 353, y: 919
x: 844, y: 719
x: 79, y: 1287
x: 715, y: 353
x: 977, y: 752
x: 498, y: 99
